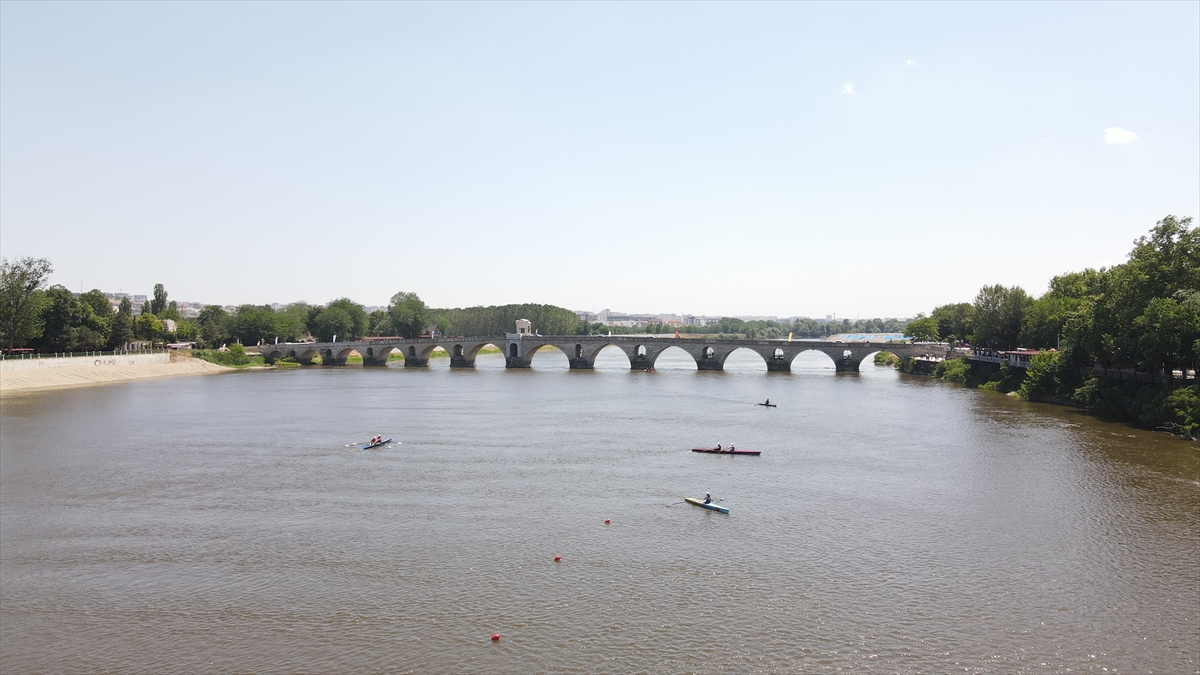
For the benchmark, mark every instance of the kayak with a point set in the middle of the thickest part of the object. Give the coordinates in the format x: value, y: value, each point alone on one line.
x: 768, y: 405
x: 728, y: 452
x: 710, y: 506
x: 376, y: 445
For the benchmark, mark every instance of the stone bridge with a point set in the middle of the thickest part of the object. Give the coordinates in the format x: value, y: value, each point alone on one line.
x: 581, y: 350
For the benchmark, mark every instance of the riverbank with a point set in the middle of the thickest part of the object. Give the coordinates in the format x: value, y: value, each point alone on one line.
x: 23, y: 381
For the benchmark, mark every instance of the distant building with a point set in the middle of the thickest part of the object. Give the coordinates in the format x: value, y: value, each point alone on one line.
x: 524, y: 327
x: 169, y: 325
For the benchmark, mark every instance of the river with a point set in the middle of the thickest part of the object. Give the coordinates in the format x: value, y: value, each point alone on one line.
x: 892, y: 524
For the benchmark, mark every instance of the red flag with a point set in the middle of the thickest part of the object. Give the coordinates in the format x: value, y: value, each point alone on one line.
x: 676, y: 334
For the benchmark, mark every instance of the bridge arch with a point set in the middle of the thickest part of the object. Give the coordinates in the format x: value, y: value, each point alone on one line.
x: 764, y: 359
x: 474, y: 350
x: 813, y: 360
x: 673, y: 353
x: 597, y: 349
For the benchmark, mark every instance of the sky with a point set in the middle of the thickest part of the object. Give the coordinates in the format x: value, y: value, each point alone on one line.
x: 863, y: 159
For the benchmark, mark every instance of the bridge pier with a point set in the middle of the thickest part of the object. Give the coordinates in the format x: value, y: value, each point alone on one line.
x: 374, y: 357
x: 579, y: 363
x: 779, y: 366
x: 328, y: 358
x: 848, y: 361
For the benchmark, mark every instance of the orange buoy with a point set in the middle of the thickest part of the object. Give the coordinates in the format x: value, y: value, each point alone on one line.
x: 495, y: 637
x: 558, y: 558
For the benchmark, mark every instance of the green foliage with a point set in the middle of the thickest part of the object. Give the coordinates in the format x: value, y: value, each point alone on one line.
x: 71, y: 324
x: 147, y: 327
x: 122, y: 325
x: 334, y: 322
x: 358, y: 318
x: 497, y: 320
x: 409, y: 315
x: 954, y: 321
x: 234, y: 357
x: 158, y: 304
x: 172, y: 312
x: 212, y: 326
x: 922, y: 329
x: 999, y: 313
x: 252, y: 324
x: 952, y: 370
x: 1142, y: 315
x: 1181, y: 411
x: 887, y: 359
x: 1042, y: 377
x: 379, y: 323
x: 21, y: 284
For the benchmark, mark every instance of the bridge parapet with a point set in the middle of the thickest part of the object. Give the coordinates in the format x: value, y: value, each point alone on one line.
x: 581, y: 350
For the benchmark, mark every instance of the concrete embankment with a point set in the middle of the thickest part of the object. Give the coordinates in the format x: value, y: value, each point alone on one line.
x: 24, y: 375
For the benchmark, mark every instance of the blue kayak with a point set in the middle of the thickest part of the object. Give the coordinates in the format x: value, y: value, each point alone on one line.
x: 376, y: 445
x: 710, y: 506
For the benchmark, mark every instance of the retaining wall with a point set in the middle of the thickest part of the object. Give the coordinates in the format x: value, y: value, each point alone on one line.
x: 10, y: 365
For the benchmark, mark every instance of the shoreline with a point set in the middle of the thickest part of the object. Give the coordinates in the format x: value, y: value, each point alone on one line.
x: 49, y: 379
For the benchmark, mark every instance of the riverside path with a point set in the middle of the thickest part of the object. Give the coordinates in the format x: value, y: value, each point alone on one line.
x: 581, y: 350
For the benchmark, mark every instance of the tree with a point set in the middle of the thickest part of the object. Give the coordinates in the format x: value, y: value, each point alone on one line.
x: 359, y: 324
x: 171, y: 312
x: 212, y: 326
x: 954, y: 321
x: 408, y: 313
x: 158, y: 304
x: 380, y: 322
x: 148, y: 327
x: 253, y: 324
x: 21, y: 284
x: 334, y: 321
x: 59, y: 316
x: 122, y: 327
x: 999, y: 312
x: 922, y: 329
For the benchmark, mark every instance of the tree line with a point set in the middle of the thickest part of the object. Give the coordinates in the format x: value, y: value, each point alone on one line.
x: 1141, y: 315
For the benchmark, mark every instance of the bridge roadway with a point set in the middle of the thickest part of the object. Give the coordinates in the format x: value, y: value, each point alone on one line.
x: 581, y: 350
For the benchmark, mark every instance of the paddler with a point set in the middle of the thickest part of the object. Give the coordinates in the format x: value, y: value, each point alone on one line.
x: 718, y: 447
x: 707, y: 498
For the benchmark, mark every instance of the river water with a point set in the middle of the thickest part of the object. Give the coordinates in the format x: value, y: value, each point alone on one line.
x: 893, y: 524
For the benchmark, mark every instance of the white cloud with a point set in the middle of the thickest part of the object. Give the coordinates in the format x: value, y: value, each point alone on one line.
x: 1045, y: 140
x: 909, y: 62
x: 847, y: 88
x: 1117, y: 135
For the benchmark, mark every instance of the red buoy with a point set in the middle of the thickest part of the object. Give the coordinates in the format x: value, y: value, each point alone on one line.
x: 607, y: 521
x: 495, y: 637
x: 558, y: 558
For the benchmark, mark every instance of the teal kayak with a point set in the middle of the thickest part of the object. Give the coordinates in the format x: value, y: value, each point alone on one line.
x: 710, y: 506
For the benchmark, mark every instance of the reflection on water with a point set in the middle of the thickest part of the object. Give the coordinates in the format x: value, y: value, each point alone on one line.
x: 892, y: 524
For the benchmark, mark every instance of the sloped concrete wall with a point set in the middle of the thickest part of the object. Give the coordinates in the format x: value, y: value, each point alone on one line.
x: 10, y: 365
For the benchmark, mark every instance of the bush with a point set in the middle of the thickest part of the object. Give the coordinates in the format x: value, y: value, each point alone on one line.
x: 886, y: 359
x: 1041, y: 379
x: 952, y: 370
x: 236, y: 356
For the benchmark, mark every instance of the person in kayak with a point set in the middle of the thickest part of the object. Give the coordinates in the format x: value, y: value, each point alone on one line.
x: 707, y: 498
x: 768, y: 402
x: 731, y: 448
x: 718, y: 447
